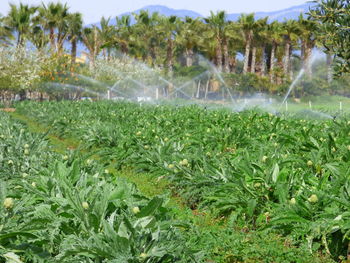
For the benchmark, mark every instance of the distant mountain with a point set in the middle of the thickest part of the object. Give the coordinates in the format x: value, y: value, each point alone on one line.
x: 167, y: 11
x: 281, y: 15
x: 163, y: 10
x: 285, y: 14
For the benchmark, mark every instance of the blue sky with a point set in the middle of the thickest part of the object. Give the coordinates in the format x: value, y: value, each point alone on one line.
x: 93, y: 10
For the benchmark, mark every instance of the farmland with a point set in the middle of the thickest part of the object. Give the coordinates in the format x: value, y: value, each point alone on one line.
x: 156, y: 183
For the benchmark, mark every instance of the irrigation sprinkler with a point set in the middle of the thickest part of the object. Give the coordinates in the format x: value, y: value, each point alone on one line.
x: 310, y: 105
x: 286, y: 105
x: 340, y: 105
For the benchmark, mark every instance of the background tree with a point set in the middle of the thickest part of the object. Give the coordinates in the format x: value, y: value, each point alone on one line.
x: 5, y: 33
x: 334, y: 17
x: 53, y: 17
x: 258, y: 41
x: 19, y: 20
x: 147, y: 38
x: 276, y: 38
x: 217, y: 23
x: 247, y: 24
x: 188, y: 38
x: 308, y: 35
x: 38, y: 37
x: 169, y: 26
x: 290, y: 31
x: 91, y: 37
x: 107, y: 34
x: 75, y: 26
x: 123, y: 32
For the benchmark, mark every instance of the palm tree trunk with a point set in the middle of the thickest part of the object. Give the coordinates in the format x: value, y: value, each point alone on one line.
x: 152, y: 54
x: 219, y: 55
x: 226, y: 56
x: 252, y: 68
x: 291, y: 72
x: 286, y: 59
x: 74, y: 50
x: 52, y: 38
x: 246, y: 56
x: 232, y: 64
x: 108, y: 54
x: 124, y: 48
x: 60, y: 42
x: 329, y: 68
x: 302, y: 55
x: 189, y: 57
x: 263, y: 61
x: 307, y: 61
x: 19, y: 39
x: 170, y: 61
x: 272, y: 62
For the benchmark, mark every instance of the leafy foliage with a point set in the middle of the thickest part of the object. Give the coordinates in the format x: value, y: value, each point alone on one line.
x: 66, y: 209
x: 334, y: 17
x: 257, y: 170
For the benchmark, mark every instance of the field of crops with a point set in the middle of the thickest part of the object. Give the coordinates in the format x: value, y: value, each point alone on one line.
x: 59, y: 208
x: 247, y: 187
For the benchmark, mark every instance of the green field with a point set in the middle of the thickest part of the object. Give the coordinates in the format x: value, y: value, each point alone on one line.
x: 123, y: 182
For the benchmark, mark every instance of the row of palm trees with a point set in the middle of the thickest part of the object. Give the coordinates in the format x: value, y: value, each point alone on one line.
x: 267, y: 48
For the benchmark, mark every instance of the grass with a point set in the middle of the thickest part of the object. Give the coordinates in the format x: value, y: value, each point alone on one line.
x: 60, y: 145
x: 330, y: 104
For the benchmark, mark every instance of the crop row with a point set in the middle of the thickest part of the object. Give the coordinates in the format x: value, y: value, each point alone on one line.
x: 258, y: 171
x: 67, y: 208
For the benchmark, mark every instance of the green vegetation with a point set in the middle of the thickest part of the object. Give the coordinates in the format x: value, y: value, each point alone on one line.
x: 100, y: 181
x: 254, y: 174
x: 66, y: 208
x: 254, y: 54
x: 334, y: 25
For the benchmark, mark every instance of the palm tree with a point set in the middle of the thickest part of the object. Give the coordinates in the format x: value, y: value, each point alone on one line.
x: 275, y: 34
x: 5, y: 32
x: 123, y: 32
x: 290, y: 32
x: 145, y: 27
x: 308, y: 35
x: 75, y: 26
x: 327, y: 43
x: 329, y: 61
x: 217, y: 23
x: 188, y: 38
x: 107, y: 35
x: 257, y: 41
x: 232, y: 37
x: 19, y: 19
x: 38, y: 37
x: 91, y: 37
x: 169, y: 26
x: 231, y: 42
x: 247, y: 24
x: 208, y: 46
x: 264, y: 38
x: 53, y: 17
